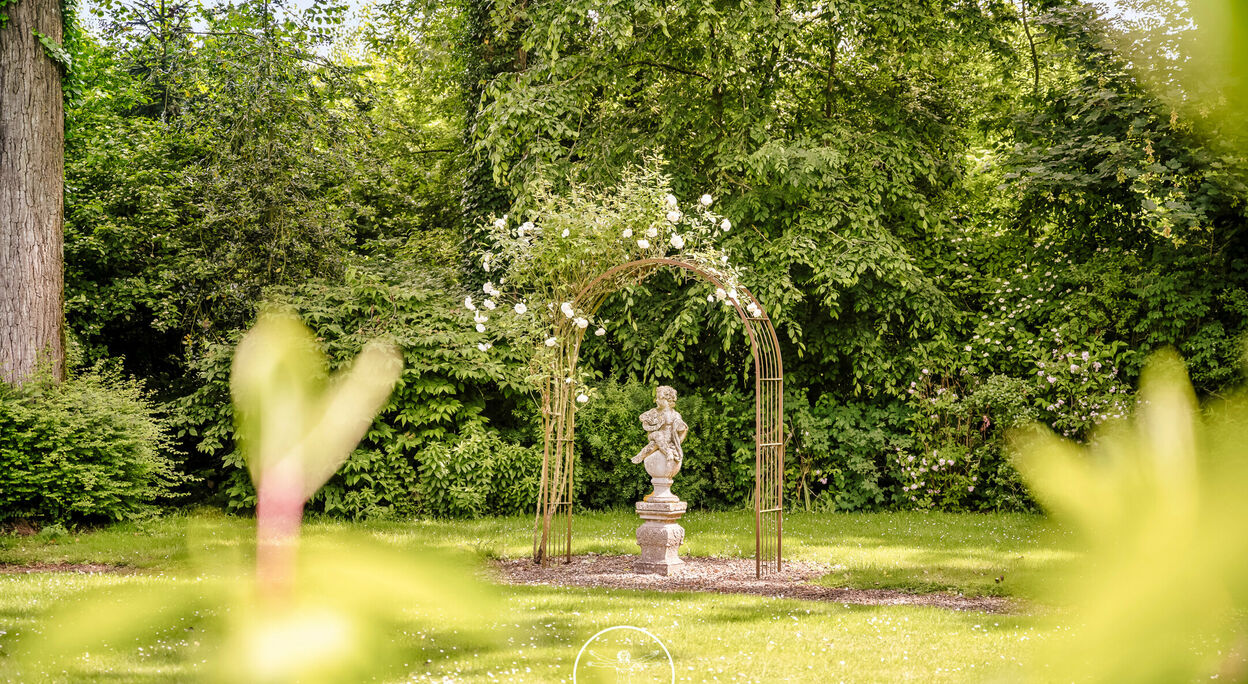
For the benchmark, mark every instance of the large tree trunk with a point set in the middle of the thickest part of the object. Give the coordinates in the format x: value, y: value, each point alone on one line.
x: 32, y: 148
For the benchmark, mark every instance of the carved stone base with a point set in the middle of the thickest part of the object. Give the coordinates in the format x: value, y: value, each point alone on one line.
x: 660, y: 537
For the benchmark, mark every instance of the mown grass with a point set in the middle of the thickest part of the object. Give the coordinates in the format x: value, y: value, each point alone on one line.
x: 539, y: 630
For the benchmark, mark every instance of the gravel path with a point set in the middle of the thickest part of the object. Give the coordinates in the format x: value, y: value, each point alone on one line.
x: 728, y: 576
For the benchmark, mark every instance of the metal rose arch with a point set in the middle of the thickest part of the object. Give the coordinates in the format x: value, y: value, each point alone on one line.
x: 552, y: 535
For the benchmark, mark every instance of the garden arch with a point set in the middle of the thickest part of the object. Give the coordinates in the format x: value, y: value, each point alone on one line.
x: 552, y: 534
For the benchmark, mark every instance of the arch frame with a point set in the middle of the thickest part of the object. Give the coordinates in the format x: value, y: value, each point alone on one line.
x: 552, y: 534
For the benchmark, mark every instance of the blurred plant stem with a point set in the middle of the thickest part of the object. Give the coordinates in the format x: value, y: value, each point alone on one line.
x: 297, y: 426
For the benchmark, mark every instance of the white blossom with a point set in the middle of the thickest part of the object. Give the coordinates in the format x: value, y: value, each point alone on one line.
x: 526, y: 227
x: 479, y: 317
x: 550, y: 341
x: 677, y: 241
x: 480, y: 327
x: 671, y: 201
x: 628, y: 233
x: 484, y: 346
x: 581, y: 398
x: 566, y: 308
x: 705, y: 200
x: 725, y: 225
x: 652, y: 232
x: 643, y: 243
x: 720, y: 294
x: 581, y: 323
x: 674, y: 216
x: 566, y: 232
x: 468, y: 303
x: 500, y: 223
x: 600, y: 332
x: 489, y: 304
x: 521, y: 308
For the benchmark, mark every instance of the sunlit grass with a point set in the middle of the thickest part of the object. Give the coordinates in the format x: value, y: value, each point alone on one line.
x: 729, y: 637
x: 711, y: 637
x: 977, y: 555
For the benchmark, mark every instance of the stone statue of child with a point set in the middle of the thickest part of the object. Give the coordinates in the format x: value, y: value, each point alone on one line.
x: 665, y: 430
x: 660, y: 535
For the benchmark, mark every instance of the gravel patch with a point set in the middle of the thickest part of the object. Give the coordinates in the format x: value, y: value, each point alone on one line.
x: 728, y: 576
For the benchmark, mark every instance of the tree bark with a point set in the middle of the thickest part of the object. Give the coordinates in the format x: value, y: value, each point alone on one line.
x: 32, y: 149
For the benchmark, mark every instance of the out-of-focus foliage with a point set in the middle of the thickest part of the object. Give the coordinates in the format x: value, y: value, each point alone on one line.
x: 91, y: 449
x: 1158, y: 501
x: 350, y: 598
x: 327, y: 615
x: 294, y: 422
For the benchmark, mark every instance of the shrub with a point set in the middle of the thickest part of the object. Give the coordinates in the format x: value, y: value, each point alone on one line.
x: 447, y: 393
x: 91, y: 449
x: 837, y: 452
x: 476, y: 475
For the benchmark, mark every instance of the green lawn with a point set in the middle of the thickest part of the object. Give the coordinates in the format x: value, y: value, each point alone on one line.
x: 712, y: 637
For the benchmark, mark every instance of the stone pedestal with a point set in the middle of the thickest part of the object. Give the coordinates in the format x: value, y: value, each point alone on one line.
x: 660, y: 536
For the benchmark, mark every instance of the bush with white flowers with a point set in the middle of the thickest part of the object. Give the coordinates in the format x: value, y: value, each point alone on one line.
x: 538, y: 264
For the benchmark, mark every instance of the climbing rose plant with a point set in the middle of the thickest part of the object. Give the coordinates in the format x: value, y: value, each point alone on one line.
x: 538, y: 264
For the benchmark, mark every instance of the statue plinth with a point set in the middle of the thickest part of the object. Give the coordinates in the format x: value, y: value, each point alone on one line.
x: 660, y: 536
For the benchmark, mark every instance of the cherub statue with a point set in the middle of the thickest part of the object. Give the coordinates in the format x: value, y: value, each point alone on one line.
x: 665, y: 430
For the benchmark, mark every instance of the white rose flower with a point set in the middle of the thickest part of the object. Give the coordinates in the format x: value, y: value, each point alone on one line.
x: 705, y: 200
x: 489, y: 304
x: 671, y: 201
x: 468, y: 303
x: 720, y: 294
x: 521, y: 308
x: 723, y: 259
x: 581, y: 398
x: 480, y: 327
x: 479, y: 317
x: 725, y: 225
x: 484, y: 346
x: 526, y: 227
x: 628, y: 233
x: 550, y: 341
x: 581, y: 323
x: 566, y: 232
x: 674, y: 216
x: 710, y: 298
x: 488, y: 288
x: 566, y: 308
x: 500, y: 223
x: 677, y: 241
x: 643, y: 243
x: 600, y: 332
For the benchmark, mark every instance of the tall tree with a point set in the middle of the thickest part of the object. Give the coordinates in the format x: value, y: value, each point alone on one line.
x: 32, y: 141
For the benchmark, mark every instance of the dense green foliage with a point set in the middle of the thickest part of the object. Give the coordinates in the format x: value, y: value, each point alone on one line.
x: 432, y: 449
x: 961, y: 217
x: 91, y: 449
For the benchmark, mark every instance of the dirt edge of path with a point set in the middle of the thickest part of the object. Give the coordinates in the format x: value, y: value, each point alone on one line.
x: 76, y: 568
